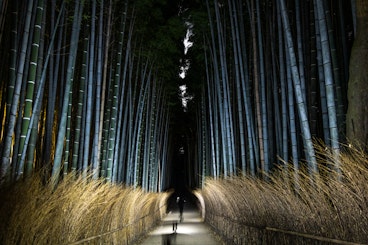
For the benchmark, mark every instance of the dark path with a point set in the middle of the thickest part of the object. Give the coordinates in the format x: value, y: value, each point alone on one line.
x: 192, y: 230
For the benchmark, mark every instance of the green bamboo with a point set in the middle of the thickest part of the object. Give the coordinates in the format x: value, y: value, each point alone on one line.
x: 78, y: 10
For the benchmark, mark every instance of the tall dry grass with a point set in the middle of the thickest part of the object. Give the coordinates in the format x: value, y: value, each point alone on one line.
x: 326, y: 209
x: 77, y: 209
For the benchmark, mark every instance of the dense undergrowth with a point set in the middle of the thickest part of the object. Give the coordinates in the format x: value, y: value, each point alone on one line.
x: 89, y: 210
x: 286, y: 208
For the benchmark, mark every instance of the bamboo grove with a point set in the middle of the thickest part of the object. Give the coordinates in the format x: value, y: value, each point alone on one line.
x: 91, y: 87
x: 276, y: 76
x: 83, y: 91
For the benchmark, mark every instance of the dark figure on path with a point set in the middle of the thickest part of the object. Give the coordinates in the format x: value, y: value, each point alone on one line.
x: 175, y: 226
x: 180, y: 201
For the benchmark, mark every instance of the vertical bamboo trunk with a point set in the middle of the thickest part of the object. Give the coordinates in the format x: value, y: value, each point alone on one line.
x: 313, y: 72
x: 115, y: 100
x: 300, y: 45
x: 98, y: 112
x: 10, y: 123
x: 13, y: 65
x: 261, y: 164
x: 35, y: 147
x: 309, y: 150
x: 238, y: 71
x: 32, y: 134
x: 277, y: 107
x: 322, y: 87
x: 102, y: 140
x: 292, y: 118
x: 223, y: 83
x: 213, y: 154
x: 335, y: 66
x: 262, y: 91
x: 66, y: 160
x: 31, y: 80
x: 79, y: 108
x: 283, y: 88
x: 329, y: 83
x: 52, y: 90
x: 90, y: 89
x: 69, y: 77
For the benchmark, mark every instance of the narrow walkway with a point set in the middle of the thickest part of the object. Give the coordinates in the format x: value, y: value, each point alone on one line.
x: 192, y: 230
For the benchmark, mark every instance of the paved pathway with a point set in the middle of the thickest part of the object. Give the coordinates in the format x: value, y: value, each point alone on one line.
x: 190, y: 231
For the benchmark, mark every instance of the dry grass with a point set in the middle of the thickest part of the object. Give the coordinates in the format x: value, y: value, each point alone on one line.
x: 245, y: 210
x: 34, y: 213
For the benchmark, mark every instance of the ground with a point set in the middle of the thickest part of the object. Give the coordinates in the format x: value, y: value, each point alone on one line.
x: 192, y: 230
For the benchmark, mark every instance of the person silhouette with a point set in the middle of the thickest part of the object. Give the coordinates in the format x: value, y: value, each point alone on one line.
x: 180, y: 201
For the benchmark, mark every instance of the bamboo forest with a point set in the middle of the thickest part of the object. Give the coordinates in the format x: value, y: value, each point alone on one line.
x: 255, y: 110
